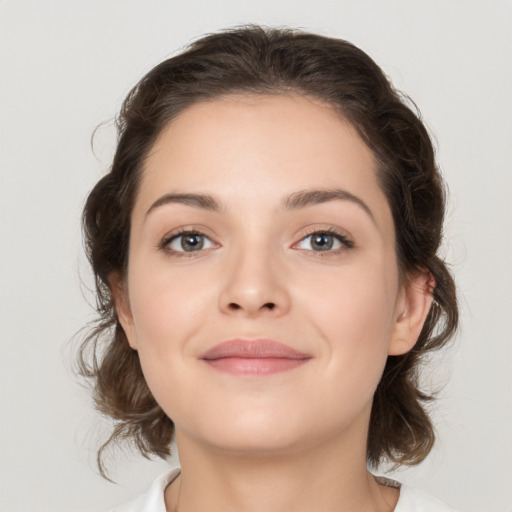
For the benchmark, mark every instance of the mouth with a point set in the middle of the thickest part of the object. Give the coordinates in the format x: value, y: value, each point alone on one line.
x: 253, y: 357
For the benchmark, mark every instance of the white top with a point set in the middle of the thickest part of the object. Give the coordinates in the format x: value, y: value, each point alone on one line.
x: 410, y: 500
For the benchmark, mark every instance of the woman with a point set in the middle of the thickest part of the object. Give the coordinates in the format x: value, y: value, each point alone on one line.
x: 265, y: 251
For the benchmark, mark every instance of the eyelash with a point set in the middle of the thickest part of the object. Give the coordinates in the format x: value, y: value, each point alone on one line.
x: 343, y: 239
x: 170, y: 238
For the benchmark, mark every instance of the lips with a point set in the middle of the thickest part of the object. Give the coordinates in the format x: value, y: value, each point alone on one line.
x: 253, y: 357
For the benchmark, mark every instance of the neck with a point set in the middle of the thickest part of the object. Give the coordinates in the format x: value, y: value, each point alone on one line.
x: 331, y: 478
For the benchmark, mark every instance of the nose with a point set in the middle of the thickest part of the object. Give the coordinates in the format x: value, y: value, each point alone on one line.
x: 254, y: 285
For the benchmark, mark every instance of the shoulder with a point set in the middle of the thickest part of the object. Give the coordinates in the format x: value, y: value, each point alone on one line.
x: 414, y: 500
x: 411, y: 499
x: 153, y: 499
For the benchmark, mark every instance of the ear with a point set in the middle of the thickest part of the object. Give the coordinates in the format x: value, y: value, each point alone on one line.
x: 411, y: 312
x: 122, y: 307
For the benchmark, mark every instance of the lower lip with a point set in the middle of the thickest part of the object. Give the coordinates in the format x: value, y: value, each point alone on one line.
x: 255, y: 366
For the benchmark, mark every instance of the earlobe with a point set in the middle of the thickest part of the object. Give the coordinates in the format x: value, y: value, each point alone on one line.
x: 122, y: 307
x: 412, y: 309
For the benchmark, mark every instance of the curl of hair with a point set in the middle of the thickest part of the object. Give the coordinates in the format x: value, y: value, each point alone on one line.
x: 257, y: 60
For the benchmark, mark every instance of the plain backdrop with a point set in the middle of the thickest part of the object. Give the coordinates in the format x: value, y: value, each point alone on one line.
x: 65, y: 67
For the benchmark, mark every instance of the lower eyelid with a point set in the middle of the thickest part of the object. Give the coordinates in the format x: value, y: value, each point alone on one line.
x: 176, y: 237
x: 344, y: 241
x: 341, y: 238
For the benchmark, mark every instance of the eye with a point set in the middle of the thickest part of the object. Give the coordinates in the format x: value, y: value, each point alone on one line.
x: 323, y: 241
x: 187, y: 241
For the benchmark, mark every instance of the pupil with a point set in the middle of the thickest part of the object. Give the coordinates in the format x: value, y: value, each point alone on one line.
x: 322, y: 242
x: 192, y: 242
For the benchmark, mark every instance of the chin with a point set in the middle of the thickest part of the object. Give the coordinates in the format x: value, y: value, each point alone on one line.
x: 258, y: 442
x: 259, y: 432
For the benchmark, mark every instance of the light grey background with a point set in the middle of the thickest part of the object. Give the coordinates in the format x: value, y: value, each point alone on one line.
x: 65, y: 66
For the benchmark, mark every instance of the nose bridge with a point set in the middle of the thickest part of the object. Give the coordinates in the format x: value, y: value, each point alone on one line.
x: 254, y: 279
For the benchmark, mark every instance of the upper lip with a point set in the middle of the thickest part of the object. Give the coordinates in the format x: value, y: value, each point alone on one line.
x: 252, y: 349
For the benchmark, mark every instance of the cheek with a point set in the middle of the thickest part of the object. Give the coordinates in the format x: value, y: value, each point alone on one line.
x: 354, y: 313
x: 165, y: 300
x: 168, y: 309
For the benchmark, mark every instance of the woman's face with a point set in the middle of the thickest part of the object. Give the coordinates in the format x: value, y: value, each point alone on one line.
x: 259, y: 219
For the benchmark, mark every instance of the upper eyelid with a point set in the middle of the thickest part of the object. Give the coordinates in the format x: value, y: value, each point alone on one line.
x: 343, y: 239
x: 166, y: 240
x: 177, y: 234
x: 198, y: 230
x: 343, y: 236
x: 190, y: 232
x: 328, y: 229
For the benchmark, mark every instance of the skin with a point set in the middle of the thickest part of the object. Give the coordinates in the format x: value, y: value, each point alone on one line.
x: 293, y: 440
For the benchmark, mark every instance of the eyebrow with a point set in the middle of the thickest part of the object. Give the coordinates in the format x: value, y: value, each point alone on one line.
x: 305, y: 198
x: 203, y: 201
x: 297, y: 200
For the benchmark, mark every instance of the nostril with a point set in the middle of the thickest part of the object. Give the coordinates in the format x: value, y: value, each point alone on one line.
x: 233, y: 306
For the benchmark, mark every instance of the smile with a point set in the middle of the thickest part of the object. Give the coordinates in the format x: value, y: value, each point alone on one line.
x: 253, y: 357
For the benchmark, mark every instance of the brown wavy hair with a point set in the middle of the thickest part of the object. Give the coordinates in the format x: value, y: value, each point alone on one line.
x: 258, y: 60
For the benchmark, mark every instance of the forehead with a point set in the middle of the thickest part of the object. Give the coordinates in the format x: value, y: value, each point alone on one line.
x: 262, y: 148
